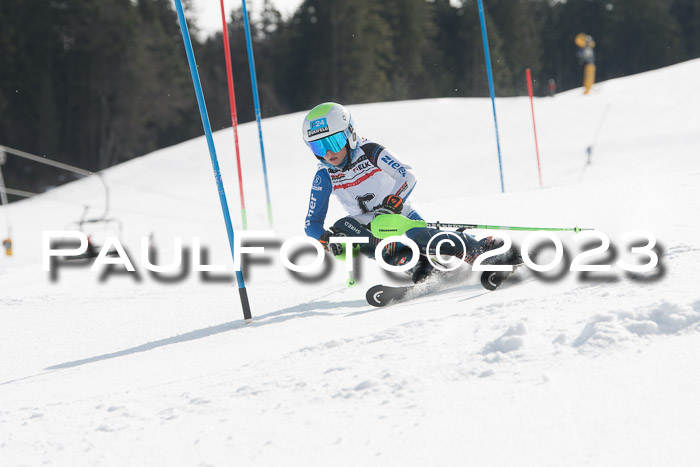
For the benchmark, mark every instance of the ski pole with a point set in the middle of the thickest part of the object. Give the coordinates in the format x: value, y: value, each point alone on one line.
x: 387, y: 225
x: 437, y: 225
x: 350, y: 282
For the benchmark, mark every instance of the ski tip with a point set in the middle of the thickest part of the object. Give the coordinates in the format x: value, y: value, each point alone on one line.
x: 490, y: 280
x: 383, y: 295
x: 375, y: 296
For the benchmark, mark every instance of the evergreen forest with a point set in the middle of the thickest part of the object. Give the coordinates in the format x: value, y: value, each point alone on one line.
x: 95, y: 83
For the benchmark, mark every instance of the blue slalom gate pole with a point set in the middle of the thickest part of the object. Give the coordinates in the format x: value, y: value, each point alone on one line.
x: 256, y: 101
x: 487, y: 53
x: 212, y: 152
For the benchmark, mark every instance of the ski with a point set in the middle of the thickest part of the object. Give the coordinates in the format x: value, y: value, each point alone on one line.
x: 383, y: 295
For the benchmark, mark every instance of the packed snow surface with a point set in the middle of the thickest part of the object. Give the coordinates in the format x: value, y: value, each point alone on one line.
x: 110, y: 367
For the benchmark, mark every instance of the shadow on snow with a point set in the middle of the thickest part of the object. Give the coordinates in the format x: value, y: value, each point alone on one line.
x: 297, y: 311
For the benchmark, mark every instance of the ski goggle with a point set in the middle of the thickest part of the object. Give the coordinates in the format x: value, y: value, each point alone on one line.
x: 333, y: 143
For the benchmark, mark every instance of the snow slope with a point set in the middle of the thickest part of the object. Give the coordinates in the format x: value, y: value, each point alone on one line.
x: 598, y: 369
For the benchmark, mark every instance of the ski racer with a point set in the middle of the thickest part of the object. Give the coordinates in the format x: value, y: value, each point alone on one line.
x: 368, y: 180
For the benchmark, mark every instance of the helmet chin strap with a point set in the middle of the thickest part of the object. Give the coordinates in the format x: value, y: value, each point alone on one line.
x: 350, y: 154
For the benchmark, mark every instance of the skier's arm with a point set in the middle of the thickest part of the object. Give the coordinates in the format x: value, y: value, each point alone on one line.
x: 403, y: 175
x: 318, y: 204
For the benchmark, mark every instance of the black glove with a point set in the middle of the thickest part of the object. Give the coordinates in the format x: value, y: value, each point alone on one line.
x: 335, y: 248
x: 392, y: 204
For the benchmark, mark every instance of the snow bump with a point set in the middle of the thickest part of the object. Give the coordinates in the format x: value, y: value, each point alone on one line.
x: 512, y: 339
x: 662, y: 319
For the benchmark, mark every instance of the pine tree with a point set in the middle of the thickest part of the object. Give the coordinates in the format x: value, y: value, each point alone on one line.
x: 641, y: 35
x: 469, y: 60
x: 165, y: 107
x: 411, y: 26
x: 516, y: 25
x: 687, y: 14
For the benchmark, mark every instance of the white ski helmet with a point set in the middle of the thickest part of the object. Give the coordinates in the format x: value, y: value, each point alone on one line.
x: 329, y: 127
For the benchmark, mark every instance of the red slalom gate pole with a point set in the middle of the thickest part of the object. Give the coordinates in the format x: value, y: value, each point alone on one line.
x: 528, y: 75
x: 234, y: 118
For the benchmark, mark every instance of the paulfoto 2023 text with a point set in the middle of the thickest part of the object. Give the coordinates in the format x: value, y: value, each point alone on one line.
x: 642, y: 258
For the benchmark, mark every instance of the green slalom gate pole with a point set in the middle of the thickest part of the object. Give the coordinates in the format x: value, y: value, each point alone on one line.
x: 389, y: 225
